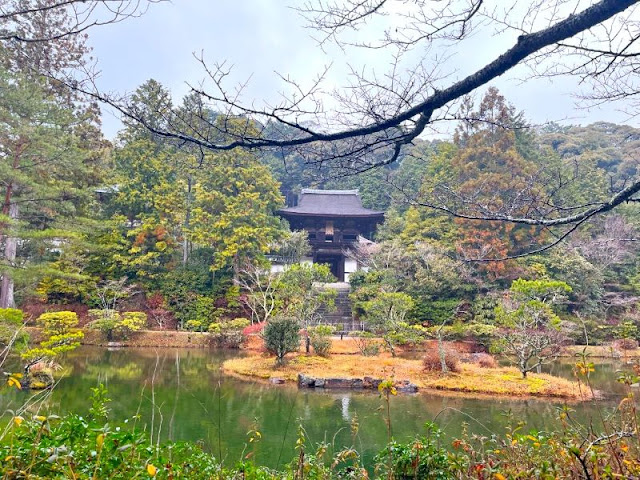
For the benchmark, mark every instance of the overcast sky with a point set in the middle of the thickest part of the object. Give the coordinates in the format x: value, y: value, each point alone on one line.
x: 259, y: 37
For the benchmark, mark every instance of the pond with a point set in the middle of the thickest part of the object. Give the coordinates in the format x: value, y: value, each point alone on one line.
x: 194, y: 401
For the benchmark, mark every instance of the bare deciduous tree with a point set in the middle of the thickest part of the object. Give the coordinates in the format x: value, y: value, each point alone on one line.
x: 260, y: 285
x: 378, y: 118
x: 615, y: 244
x: 531, y: 330
x: 368, y: 123
x: 16, y: 16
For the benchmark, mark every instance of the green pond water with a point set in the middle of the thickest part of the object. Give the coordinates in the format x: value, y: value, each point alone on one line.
x: 194, y: 401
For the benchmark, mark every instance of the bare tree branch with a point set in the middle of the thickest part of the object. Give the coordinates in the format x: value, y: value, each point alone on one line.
x: 82, y: 15
x: 378, y: 126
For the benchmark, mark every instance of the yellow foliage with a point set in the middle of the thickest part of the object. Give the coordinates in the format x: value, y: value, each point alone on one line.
x: 14, y: 382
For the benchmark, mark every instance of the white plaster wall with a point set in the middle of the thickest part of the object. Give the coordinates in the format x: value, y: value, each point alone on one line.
x: 350, y: 265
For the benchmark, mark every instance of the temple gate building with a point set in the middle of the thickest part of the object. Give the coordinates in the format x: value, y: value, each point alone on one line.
x: 335, y: 221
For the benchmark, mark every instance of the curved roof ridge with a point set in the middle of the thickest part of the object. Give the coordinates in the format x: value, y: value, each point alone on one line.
x: 340, y: 203
x: 318, y: 191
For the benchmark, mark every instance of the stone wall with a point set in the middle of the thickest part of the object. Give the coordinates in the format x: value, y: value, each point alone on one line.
x: 366, y: 383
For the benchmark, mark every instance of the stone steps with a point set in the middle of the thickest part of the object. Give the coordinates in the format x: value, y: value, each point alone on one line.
x: 342, y: 313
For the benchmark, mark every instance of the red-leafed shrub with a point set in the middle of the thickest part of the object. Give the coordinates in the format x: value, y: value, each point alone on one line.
x: 159, y: 315
x: 255, y: 328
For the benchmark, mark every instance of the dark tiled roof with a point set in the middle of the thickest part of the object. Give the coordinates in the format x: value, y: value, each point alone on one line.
x: 340, y: 203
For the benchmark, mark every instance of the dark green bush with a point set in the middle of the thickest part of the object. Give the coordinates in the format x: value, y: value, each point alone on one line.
x: 431, y: 311
x: 281, y: 336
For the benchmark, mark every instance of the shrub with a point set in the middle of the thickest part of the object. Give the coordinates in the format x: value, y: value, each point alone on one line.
x: 58, y: 323
x: 132, y: 322
x: 281, y: 336
x: 11, y: 320
x: 195, y: 312
x: 423, y: 458
x: 366, y: 343
x: 432, y: 362
x: 105, y: 321
x: 229, y: 334
x: 485, y: 360
x: 255, y: 328
x: 61, y: 336
x: 320, y: 336
x: 115, y: 325
x: 12, y: 316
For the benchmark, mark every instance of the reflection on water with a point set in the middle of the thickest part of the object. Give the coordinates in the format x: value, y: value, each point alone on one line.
x: 194, y: 401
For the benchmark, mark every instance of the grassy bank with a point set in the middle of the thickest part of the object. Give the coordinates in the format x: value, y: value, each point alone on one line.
x: 471, y: 378
x: 91, y: 447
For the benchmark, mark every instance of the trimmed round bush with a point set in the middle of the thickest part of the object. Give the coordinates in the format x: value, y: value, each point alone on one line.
x: 58, y: 323
x: 281, y: 336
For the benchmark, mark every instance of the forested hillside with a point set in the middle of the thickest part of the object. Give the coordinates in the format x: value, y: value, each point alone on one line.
x: 170, y: 226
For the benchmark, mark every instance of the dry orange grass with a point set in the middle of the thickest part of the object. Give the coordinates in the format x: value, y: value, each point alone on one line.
x: 471, y: 378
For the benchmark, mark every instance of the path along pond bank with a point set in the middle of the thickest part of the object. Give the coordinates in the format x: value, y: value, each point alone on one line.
x: 345, y: 346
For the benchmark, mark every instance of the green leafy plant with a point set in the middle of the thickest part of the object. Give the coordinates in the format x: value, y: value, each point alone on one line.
x: 115, y: 325
x: 385, y: 315
x: 422, y: 458
x: 320, y: 337
x: 11, y: 335
x: 281, y: 336
x: 61, y: 335
x: 228, y: 333
x: 195, y: 312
